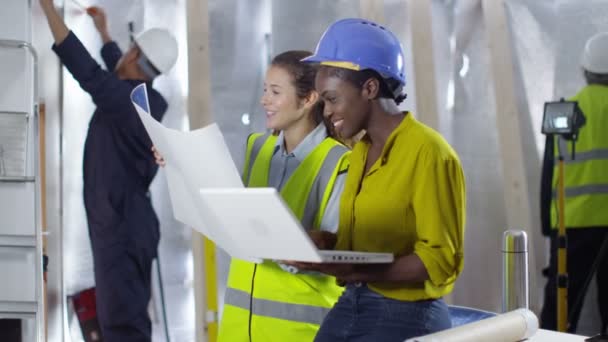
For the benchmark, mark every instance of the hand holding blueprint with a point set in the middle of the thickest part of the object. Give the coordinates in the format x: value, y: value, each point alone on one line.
x: 195, y: 160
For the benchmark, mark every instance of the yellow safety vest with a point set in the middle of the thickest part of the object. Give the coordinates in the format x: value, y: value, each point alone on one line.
x: 284, y: 306
x: 586, y: 177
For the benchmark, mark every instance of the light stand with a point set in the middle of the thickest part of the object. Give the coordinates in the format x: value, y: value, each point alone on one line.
x: 563, y: 119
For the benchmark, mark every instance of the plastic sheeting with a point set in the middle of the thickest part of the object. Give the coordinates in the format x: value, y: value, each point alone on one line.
x: 547, y: 38
x: 467, y: 120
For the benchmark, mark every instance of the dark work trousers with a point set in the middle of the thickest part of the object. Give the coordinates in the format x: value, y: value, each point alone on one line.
x: 123, y: 267
x: 583, y: 248
x: 123, y: 292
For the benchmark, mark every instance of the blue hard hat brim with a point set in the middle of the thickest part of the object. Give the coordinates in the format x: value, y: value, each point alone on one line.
x: 321, y: 59
x: 332, y: 62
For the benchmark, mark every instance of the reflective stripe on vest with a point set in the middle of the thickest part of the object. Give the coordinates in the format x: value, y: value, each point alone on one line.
x: 581, y: 156
x: 254, y: 144
x: 585, y: 190
x: 587, y: 156
x: 263, y: 307
x: 326, y: 176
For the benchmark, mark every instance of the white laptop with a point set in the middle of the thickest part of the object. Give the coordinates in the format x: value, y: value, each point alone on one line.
x: 260, y: 217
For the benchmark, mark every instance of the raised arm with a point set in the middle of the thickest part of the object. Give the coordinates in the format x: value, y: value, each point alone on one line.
x: 101, y: 23
x: 110, y: 52
x: 58, y: 27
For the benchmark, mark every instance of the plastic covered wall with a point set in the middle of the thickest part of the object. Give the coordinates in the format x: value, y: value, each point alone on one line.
x: 548, y: 37
x: 467, y: 120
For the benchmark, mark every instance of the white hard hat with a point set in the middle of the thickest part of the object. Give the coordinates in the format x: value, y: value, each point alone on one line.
x: 595, y: 55
x: 160, y: 48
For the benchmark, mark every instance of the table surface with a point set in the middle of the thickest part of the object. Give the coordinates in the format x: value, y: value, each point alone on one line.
x: 553, y: 336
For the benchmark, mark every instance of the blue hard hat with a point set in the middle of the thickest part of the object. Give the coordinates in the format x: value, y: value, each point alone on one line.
x: 359, y: 44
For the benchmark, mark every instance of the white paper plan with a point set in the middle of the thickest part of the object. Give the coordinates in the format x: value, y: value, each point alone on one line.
x: 195, y: 160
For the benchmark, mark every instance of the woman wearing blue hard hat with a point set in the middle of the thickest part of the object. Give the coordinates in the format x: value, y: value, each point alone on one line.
x: 404, y: 193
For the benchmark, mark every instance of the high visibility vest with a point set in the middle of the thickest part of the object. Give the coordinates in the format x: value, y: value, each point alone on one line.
x: 284, y: 306
x: 586, y: 177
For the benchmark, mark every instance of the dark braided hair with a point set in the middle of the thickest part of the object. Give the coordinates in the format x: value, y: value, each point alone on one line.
x: 388, y: 86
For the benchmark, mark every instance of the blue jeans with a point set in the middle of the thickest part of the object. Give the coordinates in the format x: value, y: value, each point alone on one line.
x: 364, y: 315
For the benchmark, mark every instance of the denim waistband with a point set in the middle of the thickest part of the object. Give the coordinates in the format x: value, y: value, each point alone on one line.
x: 362, y: 288
x: 356, y: 284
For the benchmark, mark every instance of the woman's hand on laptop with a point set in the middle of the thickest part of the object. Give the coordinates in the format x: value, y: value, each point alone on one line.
x: 336, y: 270
x: 322, y: 239
x: 346, y: 273
x: 353, y: 273
x: 158, y: 158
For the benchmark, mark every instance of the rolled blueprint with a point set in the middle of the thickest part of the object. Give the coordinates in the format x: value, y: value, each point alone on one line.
x: 512, y: 326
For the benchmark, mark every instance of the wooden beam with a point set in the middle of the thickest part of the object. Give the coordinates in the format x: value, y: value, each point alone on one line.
x: 199, y: 80
x: 199, y: 109
x: 507, y: 115
x: 511, y: 147
x: 421, y: 26
x: 372, y: 10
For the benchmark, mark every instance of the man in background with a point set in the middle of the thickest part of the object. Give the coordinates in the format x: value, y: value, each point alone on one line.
x: 586, y: 202
x: 118, y: 168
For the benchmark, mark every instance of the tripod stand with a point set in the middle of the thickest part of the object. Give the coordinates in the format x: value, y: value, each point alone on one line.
x: 563, y: 119
x: 562, y: 243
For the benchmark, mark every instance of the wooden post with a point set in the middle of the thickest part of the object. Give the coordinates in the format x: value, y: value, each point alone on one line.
x: 507, y: 115
x: 510, y: 140
x: 199, y: 80
x: 199, y: 109
x: 421, y: 25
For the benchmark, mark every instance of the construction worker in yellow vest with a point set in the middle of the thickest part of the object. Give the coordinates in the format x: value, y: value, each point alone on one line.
x: 272, y: 301
x: 586, y: 189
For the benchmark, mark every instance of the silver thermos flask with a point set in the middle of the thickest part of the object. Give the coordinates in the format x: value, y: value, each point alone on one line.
x: 515, y: 283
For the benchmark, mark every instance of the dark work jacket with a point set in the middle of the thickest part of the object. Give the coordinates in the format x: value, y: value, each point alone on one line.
x: 118, y: 164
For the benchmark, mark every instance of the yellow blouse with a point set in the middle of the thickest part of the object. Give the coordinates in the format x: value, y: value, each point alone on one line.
x: 412, y: 200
